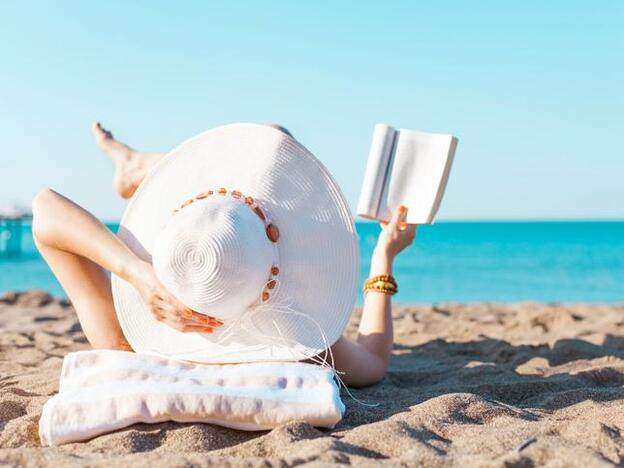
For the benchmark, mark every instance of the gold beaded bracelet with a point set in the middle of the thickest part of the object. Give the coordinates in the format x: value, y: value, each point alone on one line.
x: 381, y: 283
x: 387, y: 278
x: 381, y: 278
x: 380, y: 288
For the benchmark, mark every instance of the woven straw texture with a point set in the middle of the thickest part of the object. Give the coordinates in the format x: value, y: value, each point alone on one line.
x: 317, y: 248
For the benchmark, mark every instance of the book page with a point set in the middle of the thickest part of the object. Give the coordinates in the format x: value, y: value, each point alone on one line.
x: 417, y: 175
x: 376, y: 171
x: 445, y: 176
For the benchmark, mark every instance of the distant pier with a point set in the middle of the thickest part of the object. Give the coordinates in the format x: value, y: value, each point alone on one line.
x: 11, y: 222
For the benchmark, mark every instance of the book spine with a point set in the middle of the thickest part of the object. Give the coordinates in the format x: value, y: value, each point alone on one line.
x: 384, y: 211
x: 376, y: 171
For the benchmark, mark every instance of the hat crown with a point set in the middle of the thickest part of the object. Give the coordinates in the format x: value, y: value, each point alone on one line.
x: 214, y: 256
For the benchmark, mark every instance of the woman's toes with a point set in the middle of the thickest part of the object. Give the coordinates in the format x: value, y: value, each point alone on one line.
x: 107, y: 143
x: 96, y: 129
x: 99, y: 132
x: 127, y: 166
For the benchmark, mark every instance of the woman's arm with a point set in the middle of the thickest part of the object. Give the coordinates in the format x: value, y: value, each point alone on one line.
x: 364, y: 361
x: 60, y: 224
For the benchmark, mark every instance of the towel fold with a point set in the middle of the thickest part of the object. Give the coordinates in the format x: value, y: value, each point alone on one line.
x: 101, y: 391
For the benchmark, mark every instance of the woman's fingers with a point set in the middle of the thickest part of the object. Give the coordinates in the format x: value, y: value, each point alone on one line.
x: 402, y: 213
x: 167, y: 309
x: 196, y: 329
x: 186, y: 328
x: 205, y: 319
x: 182, y: 324
x: 400, y: 222
x: 397, y: 216
x: 184, y: 317
x: 405, y: 233
x: 192, y: 318
x: 397, y: 234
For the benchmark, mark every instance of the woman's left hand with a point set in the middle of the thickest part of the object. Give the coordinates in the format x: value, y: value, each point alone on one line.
x: 166, y: 308
x: 396, y: 235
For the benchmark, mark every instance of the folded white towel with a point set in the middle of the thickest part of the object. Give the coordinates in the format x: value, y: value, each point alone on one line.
x: 101, y: 391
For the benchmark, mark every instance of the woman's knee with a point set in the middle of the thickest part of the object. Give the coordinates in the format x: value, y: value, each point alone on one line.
x: 42, y: 207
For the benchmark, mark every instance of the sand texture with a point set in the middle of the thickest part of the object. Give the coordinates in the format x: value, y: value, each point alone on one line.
x: 469, y: 385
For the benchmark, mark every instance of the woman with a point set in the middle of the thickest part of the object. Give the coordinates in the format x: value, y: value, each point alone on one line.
x: 80, y: 250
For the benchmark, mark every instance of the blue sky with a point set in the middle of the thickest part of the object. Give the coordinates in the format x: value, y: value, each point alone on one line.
x: 533, y: 90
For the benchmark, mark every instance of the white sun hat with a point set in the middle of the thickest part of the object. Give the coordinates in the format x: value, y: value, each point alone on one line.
x: 242, y: 223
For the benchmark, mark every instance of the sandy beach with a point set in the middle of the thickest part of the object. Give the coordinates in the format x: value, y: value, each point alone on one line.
x: 481, y: 385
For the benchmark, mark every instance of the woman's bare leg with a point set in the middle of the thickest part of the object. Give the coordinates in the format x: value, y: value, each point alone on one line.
x: 132, y: 166
x: 80, y: 250
x: 86, y: 283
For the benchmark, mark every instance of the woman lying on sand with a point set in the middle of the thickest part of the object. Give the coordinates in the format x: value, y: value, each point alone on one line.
x: 80, y: 250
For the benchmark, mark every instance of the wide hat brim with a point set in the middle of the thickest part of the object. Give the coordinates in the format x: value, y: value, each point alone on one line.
x: 318, y: 248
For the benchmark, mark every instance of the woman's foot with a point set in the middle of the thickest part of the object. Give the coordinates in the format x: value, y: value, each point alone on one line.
x: 129, y: 167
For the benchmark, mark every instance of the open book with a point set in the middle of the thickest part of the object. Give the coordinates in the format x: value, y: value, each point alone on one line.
x: 406, y: 167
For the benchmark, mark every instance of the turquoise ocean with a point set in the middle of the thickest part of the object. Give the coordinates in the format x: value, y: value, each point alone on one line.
x: 457, y: 262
